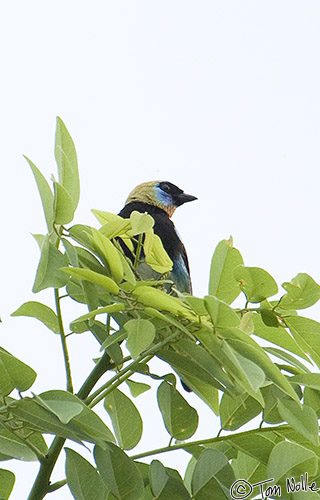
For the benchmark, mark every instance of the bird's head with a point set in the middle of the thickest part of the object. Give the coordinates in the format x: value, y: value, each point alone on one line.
x: 161, y: 194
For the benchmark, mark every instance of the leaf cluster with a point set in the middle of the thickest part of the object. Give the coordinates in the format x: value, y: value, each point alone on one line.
x: 260, y: 358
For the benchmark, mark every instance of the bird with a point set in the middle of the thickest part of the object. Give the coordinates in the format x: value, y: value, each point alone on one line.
x: 160, y: 199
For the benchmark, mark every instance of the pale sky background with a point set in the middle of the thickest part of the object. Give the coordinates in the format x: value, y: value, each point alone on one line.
x: 221, y: 98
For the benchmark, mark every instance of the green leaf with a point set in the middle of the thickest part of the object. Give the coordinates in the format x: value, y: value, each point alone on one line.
x: 278, y: 336
x: 212, y: 473
x: 288, y: 459
x: 223, y: 284
x: 66, y: 158
x: 285, y: 356
x: 257, y: 445
x: 302, y: 292
x: 196, y: 304
x: 137, y: 388
x: 180, y: 419
x: 201, y: 372
x: 83, y: 480
x: 249, y: 349
x: 256, y: 283
x: 7, y: 480
x: 126, y: 419
x: 306, y: 333
x: 141, y: 333
x: 63, y: 205
x: 119, y: 473
x: 40, y: 311
x: 237, y: 411
x: 302, y: 418
x: 221, y: 314
x: 155, y: 255
x: 141, y: 223
x: 45, y: 192
x: 166, y: 484
x: 14, y: 374
x: 64, y: 410
x: 92, y: 277
x: 48, y: 272
x: 111, y: 308
x: 311, y: 380
x: 16, y: 445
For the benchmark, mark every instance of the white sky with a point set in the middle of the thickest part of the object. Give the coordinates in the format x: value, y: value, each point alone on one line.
x: 221, y: 98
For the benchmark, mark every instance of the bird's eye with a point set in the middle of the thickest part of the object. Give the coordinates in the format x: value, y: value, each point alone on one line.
x: 165, y: 187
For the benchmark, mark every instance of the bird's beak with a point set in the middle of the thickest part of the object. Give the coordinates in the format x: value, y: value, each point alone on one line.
x: 182, y: 198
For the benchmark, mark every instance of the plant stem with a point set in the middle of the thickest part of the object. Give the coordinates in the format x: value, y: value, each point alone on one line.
x: 63, y: 342
x: 42, y: 483
x: 183, y: 446
x: 138, y: 252
x: 100, y: 368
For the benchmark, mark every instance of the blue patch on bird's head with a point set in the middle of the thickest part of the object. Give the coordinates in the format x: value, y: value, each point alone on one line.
x: 162, y: 196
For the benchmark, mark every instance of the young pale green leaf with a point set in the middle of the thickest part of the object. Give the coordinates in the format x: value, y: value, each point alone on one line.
x: 14, y: 374
x: 66, y: 158
x: 63, y: 205
x: 221, y: 314
x: 165, y: 483
x: 105, y: 217
x: 108, y: 253
x: 246, y: 323
x: 238, y: 410
x: 141, y: 223
x: 302, y: 418
x: 311, y: 380
x: 223, y: 284
x: 126, y: 419
x: 84, y: 481
x: 306, y: 333
x: 286, y: 459
x: 155, y: 255
x: 40, y: 311
x: 137, y: 388
x: 93, y: 277
x: 119, y: 473
x: 45, y: 192
x: 254, y: 373
x: 152, y: 297
x: 196, y: 304
x: 49, y: 269
x: 7, y: 479
x: 302, y: 291
x: 255, y: 282
x: 141, y: 333
x: 111, y: 308
x: 212, y: 473
x: 180, y: 419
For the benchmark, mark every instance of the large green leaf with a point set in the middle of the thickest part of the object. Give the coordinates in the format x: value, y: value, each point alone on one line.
x: 165, y: 484
x: 289, y: 459
x: 221, y: 314
x: 14, y: 374
x: 248, y: 348
x: 255, y: 444
x: 15, y: 445
x: 301, y: 417
x: 237, y: 411
x: 41, y: 312
x: 45, y: 192
x: 49, y: 272
x: 83, y: 480
x: 212, y: 473
x: 306, y: 333
x: 155, y: 255
x: 180, y: 419
x: 66, y: 158
x: 126, y: 419
x: 223, y: 284
x: 7, y: 480
x: 119, y: 473
x: 141, y: 333
x: 302, y: 291
x: 256, y: 283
